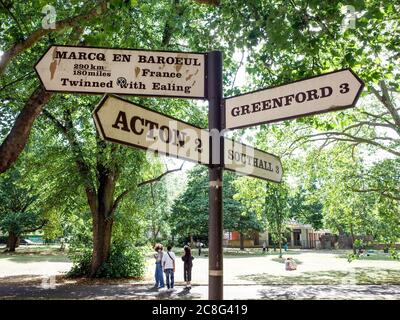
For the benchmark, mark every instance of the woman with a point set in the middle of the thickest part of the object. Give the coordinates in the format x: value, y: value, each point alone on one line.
x: 159, y: 270
x: 187, y: 259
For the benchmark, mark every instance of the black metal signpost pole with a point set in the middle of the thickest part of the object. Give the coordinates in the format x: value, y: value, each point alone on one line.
x: 215, y: 113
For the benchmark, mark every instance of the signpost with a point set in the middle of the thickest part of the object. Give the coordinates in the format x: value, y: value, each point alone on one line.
x: 251, y: 162
x: 328, y: 92
x: 190, y: 75
x: 122, y: 71
x: 215, y: 171
x: 121, y: 121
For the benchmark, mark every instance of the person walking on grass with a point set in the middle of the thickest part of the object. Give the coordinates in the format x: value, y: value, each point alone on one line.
x: 168, y: 263
x: 159, y: 271
x: 187, y: 259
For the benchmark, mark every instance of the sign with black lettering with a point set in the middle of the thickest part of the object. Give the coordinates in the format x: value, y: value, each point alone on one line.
x: 250, y: 161
x: 121, y: 121
x: 123, y: 71
x: 328, y: 92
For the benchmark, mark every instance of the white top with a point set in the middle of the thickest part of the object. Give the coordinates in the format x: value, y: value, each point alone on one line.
x: 169, y: 264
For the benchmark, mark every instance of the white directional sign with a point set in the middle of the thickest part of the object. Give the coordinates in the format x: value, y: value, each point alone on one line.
x: 123, y: 71
x: 253, y: 162
x: 328, y: 92
x: 124, y: 122
x: 121, y: 121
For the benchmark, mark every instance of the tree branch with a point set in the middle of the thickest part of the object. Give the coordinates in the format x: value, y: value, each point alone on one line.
x: 237, y: 70
x: 387, y: 102
x: 169, y: 27
x: 17, y: 80
x: 336, y: 136
x: 380, y: 191
x: 127, y: 191
x: 13, y: 17
x: 160, y: 176
x: 372, y: 124
x: 15, y: 141
x: 40, y: 33
x: 83, y: 168
x: 209, y: 2
x: 55, y: 121
x: 44, y: 222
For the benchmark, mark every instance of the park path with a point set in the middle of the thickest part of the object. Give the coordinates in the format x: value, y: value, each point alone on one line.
x: 233, y: 292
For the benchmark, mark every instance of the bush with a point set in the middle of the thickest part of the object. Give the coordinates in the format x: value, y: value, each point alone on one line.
x: 3, y: 239
x: 125, y: 261
x: 81, y: 263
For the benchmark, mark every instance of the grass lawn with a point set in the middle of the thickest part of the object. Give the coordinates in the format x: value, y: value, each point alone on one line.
x: 255, y: 252
x: 249, y: 266
x: 332, y: 268
x: 34, y: 253
x: 358, y: 276
x: 373, y: 255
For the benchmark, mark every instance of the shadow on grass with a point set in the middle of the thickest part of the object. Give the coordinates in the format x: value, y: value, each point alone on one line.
x: 323, y: 292
x: 357, y: 276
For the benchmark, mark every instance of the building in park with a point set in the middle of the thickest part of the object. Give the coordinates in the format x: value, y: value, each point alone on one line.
x: 298, y: 235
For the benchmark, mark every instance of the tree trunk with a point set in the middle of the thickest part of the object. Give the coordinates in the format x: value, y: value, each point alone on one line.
x: 155, y: 236
x: 280, y: 248
x: 102, y: 230
x: 241, y: 241
x: 12, y: 241
x: 353, y: 239
x: 102, y: 219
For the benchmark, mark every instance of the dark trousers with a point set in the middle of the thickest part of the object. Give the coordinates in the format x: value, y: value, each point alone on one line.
x: 187, y: 273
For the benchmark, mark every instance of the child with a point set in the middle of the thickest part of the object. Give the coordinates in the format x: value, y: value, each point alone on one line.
x: 290, y: 264
x: 187, y: 259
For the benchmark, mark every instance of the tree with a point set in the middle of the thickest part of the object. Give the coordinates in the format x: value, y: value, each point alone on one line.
x: 96, y: 17
x: 17, y: 42
x: 305, y: 207
x: 337, y: 175
x: 276, y: 212
x: 18, y: 214
x: 103, y: 172
x: 16, y: 224
x: 236, y: 217
x: 304, y: 38
x: 270, y: 201
x: 155, y: 201
x: 283, y: 43
x: 189, y: 215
